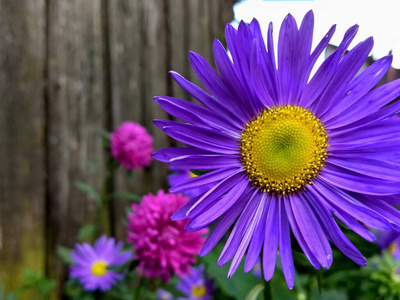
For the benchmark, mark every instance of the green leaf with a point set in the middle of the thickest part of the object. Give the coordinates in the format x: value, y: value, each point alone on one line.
x: 65, y: 255
x: 255, y: 291
x: 128, y: 196
x: 200, y: 172
x: 87, y: 189
x: 300, y: 258
x: 96, y: 166
x: 86, y: 232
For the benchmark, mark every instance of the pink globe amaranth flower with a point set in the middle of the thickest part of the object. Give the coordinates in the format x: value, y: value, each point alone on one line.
x: 162, y: 246
x: 131, y: 146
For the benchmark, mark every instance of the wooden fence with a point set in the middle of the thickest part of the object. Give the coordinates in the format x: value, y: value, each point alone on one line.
x: 68, y: 70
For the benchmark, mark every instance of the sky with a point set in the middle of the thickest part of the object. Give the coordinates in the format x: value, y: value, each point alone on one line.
x: 379, y: 19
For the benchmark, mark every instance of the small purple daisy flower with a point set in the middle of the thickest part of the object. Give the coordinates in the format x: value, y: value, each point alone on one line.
x: 390, y: 241
x: 179, y: 175
x: 196, y: 285
x: 288, y: 151
x: 91, y: 263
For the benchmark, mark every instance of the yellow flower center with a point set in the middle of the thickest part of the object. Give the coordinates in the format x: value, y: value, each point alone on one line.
x: 192, y: 175
x: 99, y: 268
x: 199, y: 290
x: 283, y: 149
x: 392, y: 248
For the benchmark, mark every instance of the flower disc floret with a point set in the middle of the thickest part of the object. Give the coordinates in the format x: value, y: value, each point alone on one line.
x: 283, y: 149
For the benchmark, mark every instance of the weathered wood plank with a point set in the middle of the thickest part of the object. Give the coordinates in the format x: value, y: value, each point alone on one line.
x: 76, y: 117
x: 177, y: 31
x: 127, y: 91
x: 22, y: 146
x: 154, y: 68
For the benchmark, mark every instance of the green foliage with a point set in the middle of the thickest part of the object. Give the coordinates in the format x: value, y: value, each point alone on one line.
x: 126, y: 195
x: 88, y: 190
x: 255, y: 292
x: 39, y: 284
x: 86, y: 232
x: 382, y: 278
x: 65, y: 254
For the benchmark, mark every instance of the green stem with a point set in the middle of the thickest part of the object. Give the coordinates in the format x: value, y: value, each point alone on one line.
x: 103, y: 214
x: 267, y: 284
x: 137, y: 290
x: 267, y: 290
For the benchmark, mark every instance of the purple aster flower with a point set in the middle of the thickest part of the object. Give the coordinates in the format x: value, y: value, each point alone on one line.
x: 390, y: 241
x: 179, y: 175
x: 289, y: 153
x: 196, y: 285
x: 91, y: 264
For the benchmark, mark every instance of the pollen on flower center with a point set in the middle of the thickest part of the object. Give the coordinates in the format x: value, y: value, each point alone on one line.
x: 283, y: 149
x: 99, y: 268
x: 198, y: 290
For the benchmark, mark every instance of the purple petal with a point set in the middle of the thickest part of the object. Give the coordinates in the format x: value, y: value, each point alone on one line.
x: 311, y: 230
x: 287, y: 59
x: 200, y: 137
x: 369, y: 104
x: 359, y: 87
x: 211, y: 209
x: 333, y: 231
x: 231, y: 78
x: 379, y: 168
x: 216, y: 86
x: 206, y: 162
x: 238, y: 230
x: 358, y: 183
x: 207, y: 100
x: 326, y: 71
x: 343, y: 201
x: 297, y: 233
x: 225, y: 223
x: 285, y: 249
x: 166, y: 154
x: 271, y: 239
x: 251, y: 227
x: 347, y: 69
x: 195, y: 114
x: 257, y: 241
x: 204, y: 179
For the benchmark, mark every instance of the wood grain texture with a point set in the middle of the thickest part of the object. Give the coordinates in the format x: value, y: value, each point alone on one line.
x: 76, y: 117
x: 22, y: 146
x: 126, y: 90
x: 68, y: 70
